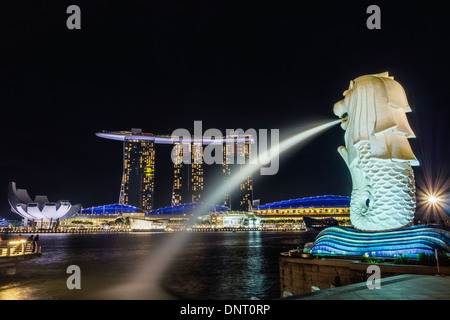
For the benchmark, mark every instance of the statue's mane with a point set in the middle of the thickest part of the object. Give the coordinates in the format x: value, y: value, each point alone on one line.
x: 377, y: 107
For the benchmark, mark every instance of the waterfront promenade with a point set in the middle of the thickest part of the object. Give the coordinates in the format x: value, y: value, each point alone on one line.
x: 61, y: 230
x: 13, y: 251
x: 124, y: 229
x: 401, y: 287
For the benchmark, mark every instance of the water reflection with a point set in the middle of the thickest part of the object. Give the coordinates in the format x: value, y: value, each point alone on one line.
x: 221, y: 265
x: 256, y: 279
x: 161, y: 259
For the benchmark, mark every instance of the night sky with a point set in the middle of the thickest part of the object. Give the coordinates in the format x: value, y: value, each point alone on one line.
x: 161, y: 65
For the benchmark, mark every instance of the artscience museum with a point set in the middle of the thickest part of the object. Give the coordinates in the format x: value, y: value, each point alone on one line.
x: 39, y: 212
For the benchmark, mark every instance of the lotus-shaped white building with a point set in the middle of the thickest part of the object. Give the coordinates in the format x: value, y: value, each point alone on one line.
x: 40, y: 209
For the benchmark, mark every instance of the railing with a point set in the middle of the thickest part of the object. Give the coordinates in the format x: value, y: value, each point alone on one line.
x: 64, y: 229
x: 18, y: 248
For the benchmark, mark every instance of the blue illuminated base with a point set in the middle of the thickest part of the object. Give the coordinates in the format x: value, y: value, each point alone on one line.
x: 409, y: 241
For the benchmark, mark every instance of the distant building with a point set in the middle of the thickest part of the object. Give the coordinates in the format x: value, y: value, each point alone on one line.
x: 233, y: 219
x: 188, y: 180
x: 291, y: 212
x: 196, y: 183
x: 102, y: 215
x: 11, y: 223
x: 187, y: 209
x: 288, y: 214
x: 177, y: 217
x: 116, y: 209
x: 39, y: 212
x: 138, y: 182
x: 236, y: 156
x: 180, y: 215
x: 180, y: 178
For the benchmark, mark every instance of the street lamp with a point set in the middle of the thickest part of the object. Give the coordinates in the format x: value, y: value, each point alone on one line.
x: 433, y: 200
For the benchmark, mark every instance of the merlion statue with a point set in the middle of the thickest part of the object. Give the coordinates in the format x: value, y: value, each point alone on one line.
x: 377, y: 153
x: 379, y: 157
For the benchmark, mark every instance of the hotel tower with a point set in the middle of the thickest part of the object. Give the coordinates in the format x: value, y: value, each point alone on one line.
x: 234, y: 154
x: 188, y: 178
x: 138, y: 178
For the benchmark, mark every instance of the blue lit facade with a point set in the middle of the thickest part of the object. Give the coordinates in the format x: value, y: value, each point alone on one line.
x: 110, y: 209
x: 409, y: 241
x: 187, y: 208
x: 292, y: 213
x: 316, y: 202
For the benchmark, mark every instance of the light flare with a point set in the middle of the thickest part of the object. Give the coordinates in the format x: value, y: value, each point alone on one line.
x: 431, y: 198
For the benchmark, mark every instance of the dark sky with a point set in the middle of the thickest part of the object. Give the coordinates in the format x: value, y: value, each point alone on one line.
x: 160, y: 65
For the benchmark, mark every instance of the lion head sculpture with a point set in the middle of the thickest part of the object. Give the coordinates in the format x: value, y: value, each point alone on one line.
x: 374, y: 110
x: 378, y: 153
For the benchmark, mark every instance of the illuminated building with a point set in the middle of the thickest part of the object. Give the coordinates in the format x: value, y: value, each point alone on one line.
x: 290, y: 213
x: 246, y: 187
x: 188, y: 178
x: 241, y: 151
x: 40, y: 210
x: 138, y: 174
x: 196, y: 181
x: 234, y: 219
x: 179, y: 215
x: 287, y: 214
x: 101, y: 215
x: 178, y: 180
x: 228, y: 153
x: 115, y: 209
x: 138, y: 180
x: 186, y: 209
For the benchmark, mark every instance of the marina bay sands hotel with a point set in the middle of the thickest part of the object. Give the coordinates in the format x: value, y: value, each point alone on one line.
x: 138, y: 180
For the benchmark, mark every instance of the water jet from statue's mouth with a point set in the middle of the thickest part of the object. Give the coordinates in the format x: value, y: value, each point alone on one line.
x: 344, y: 120
x: 146, y: 281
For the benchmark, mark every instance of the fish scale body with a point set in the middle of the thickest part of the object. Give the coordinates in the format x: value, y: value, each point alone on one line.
x: 383, y: 195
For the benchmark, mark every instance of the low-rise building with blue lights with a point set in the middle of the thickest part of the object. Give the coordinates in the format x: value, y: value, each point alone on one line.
x: 116, y: 214
x: 187, y: 209
x: 102, y: 215
x: 180, y: 214
x: 290, y: 213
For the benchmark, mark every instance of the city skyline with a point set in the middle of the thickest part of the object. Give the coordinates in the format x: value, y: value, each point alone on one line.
x: 139, y: 160
x: 225, y: 157
x: 281, y: 70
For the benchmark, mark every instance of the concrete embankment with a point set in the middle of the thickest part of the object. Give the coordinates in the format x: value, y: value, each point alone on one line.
x: 300, y: 275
